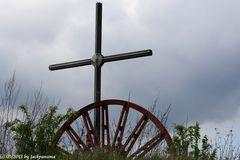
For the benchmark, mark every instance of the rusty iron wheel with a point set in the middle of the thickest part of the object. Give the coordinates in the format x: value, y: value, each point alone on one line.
x: 120, y: 136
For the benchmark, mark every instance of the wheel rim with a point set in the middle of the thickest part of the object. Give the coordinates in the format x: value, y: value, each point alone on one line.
x: 117, y: 139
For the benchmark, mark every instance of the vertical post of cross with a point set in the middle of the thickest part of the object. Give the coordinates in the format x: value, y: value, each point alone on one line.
x: 97, y: 67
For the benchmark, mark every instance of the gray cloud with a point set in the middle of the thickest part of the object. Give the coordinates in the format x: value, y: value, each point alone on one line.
x: 195, y: 66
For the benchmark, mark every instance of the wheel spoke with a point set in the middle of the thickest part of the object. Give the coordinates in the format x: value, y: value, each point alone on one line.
x: 121, y: 126
x: 148, y: 146
x: 105, y: 127
x: 134, y: 135
x: 91, y: 134
x: 76, y: 139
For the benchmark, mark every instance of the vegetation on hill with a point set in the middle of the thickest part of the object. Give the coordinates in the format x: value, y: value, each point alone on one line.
x: 30, y: 131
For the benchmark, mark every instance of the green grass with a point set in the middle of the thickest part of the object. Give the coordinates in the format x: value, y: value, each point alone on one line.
x: 100, y: 155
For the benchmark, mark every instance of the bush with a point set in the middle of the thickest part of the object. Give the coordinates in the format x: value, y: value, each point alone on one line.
x: 186, y: 142
x: 36, y: 138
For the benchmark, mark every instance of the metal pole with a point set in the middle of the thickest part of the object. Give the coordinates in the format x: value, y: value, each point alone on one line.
x: 97, y: 67
x: 70, y: 64
x: 129, y: 55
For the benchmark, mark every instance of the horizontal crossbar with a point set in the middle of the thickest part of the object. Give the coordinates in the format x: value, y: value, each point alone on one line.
x: 118, y: 57
x: 129, y: 55
x: 70, y: 64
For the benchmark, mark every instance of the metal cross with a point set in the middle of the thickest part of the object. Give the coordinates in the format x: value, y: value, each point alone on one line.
x: 97, y: 61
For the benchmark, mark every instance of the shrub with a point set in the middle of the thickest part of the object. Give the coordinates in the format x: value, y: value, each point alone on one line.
x: 36, y: 138
x: 187, y: 142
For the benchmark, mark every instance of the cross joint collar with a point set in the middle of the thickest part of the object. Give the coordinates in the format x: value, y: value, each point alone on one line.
x: 97, y: 60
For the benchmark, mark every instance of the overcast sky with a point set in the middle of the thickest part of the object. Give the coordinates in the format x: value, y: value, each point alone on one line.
x: 195, y: 65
